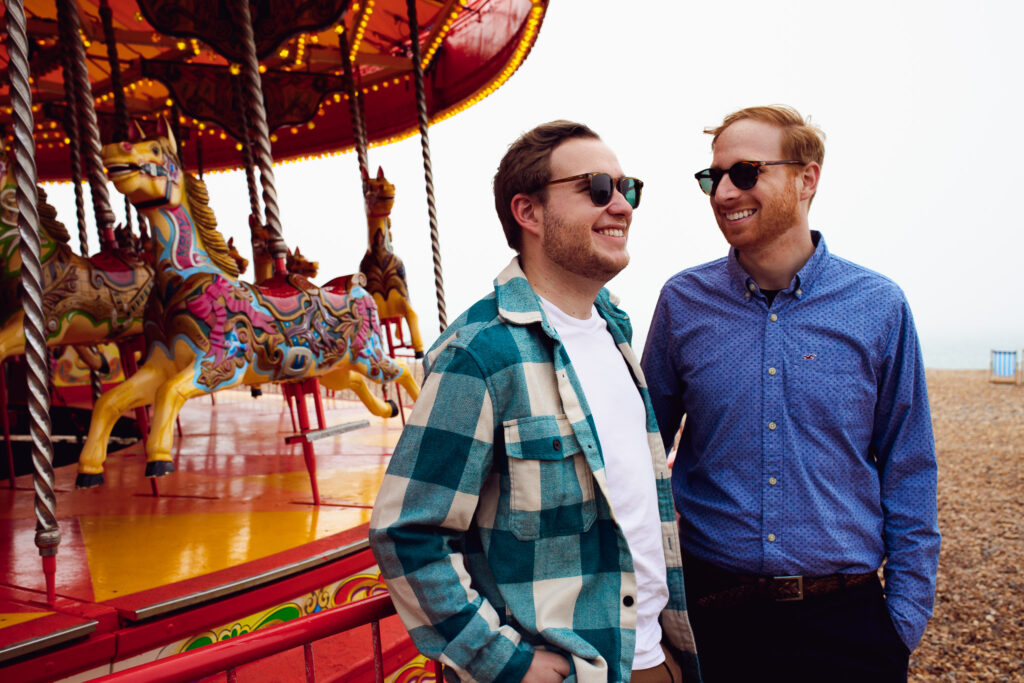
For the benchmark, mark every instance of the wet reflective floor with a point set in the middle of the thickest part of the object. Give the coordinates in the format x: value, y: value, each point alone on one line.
x: 240, y: 494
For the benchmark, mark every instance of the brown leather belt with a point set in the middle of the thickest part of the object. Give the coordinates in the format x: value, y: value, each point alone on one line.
x: 717, y: 587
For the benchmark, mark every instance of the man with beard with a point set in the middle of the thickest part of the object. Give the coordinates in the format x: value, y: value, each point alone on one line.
x: 525, y: 525
x: 806, y: 459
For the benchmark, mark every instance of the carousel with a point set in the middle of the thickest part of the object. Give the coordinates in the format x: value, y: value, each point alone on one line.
x: 194, y: 430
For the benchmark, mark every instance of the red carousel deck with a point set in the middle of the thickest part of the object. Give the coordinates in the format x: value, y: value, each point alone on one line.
x: 231, y: 543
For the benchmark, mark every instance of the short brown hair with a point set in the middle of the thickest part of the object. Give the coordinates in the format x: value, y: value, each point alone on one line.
x: 526, y: 168
x: 801, y: 139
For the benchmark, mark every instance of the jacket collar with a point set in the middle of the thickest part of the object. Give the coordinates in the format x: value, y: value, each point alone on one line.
x: 518, y: 303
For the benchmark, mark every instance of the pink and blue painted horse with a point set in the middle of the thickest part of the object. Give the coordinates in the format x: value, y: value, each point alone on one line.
x: 206, y: 331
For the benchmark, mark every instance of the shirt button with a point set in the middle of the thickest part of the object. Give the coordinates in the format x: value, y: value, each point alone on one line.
x: 771, y: 538
x: 799, y: 292
x: 628, y: 601
x: 772, y: 371
x: 751, y: 286
x: 747, y: 295
x: 556, y: 444
x: 773, y: 481
x: 772, y: 426
x: 773, y: 317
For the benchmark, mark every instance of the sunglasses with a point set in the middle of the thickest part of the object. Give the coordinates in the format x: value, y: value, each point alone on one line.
x: 743, y: 175
x: 603, y: 186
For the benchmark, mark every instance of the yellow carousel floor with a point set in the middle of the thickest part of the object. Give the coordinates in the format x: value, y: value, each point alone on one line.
x: 239, y: 504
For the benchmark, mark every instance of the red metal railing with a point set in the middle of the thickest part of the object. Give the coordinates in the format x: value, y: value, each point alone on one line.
x: 227, y: 655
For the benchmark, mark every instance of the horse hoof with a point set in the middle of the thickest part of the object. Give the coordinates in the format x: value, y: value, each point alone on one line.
x: 394, y: 408
x: 88, y: 481
x: 419, y: 354
x: 159, y: 468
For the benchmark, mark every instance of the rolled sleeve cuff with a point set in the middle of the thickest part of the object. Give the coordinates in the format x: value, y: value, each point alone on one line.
x: 909, y: 620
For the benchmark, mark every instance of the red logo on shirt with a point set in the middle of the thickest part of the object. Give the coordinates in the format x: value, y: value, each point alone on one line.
x: 810, y: 356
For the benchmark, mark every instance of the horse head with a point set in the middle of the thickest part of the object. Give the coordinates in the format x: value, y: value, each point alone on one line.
x: 240, y: 260
x: 146, y: 171
x: 300, y: 265
x: 379, y: 194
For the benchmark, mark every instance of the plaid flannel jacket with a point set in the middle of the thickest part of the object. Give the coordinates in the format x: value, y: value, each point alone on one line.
x: 492, y: 527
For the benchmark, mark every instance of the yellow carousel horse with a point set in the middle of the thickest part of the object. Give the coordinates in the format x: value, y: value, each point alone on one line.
x: 85, y: 300
x: 384, y: 270
x: 206, y: 331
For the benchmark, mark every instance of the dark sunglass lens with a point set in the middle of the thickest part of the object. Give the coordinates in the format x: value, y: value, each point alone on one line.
x: 705, y: 180
x: 743, y: 175
x: 630, y: 189
x: 600, y: 189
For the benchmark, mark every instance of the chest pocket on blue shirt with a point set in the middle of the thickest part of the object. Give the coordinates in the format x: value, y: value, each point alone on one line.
x: 551, y: 487
x: 827, y: 393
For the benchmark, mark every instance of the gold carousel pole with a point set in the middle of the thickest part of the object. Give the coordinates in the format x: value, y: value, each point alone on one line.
x: 421, y: 106
x: 70, y: 30
x: 258, y: 120
x: 120, y: 105
x: 355, y: 109
x: 47, y: 537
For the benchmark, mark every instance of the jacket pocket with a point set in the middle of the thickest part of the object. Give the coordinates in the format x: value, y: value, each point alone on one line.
x: 551, y: 489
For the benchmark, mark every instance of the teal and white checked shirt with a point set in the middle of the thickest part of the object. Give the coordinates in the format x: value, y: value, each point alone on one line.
x: 492, y: 527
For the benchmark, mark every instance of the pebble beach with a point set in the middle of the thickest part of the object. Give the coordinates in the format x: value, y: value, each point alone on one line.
x: 977, y: 631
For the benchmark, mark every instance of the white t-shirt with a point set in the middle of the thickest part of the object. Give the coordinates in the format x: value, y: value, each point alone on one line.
x: 621, y: 421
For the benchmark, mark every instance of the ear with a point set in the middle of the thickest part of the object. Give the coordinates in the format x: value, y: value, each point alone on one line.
x: 167, y: 132
x: 380, y: 173
x: 135, y: 132
x: 528, y: 212
x: 363, y: 172
x: 809, y: 180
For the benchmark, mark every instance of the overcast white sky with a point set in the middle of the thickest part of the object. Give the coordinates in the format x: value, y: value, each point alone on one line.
x: 920, y: 101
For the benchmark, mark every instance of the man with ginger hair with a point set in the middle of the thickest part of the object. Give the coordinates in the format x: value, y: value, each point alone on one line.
x: 806, y: 459
x: 525, y: 526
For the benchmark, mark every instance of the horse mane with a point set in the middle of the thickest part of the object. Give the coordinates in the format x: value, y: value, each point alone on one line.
x: 206, y: 225
x: 48, y: 218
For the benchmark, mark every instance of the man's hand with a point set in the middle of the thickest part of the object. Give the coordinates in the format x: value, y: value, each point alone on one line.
x: 546, y: 667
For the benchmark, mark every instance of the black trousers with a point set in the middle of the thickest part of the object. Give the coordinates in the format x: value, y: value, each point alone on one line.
x: 843, y: 636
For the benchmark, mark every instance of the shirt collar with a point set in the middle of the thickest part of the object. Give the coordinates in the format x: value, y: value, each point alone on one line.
x: 802, y: 281
x: 519, y: 305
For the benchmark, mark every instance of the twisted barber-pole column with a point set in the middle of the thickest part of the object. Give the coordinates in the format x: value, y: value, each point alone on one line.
x: 355, y: 113
x: 120, y: 105
x: 421, y: 105
x: 250, y: 172
x: 258, y: 120
x: 70, y: 31
x: 47, y: 532
x: 67, y: 53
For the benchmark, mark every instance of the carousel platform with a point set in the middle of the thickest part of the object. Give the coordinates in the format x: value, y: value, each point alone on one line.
x: 231, y: 542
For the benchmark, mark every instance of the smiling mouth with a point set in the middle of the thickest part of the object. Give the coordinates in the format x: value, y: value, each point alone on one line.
x: 611, y: 232
x: 737, y: 215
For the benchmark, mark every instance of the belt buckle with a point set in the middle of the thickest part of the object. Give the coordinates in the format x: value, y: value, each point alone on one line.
x: 788, y: 588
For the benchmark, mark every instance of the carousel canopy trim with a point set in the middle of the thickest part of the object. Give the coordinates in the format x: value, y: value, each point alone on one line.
x: 468, y: 48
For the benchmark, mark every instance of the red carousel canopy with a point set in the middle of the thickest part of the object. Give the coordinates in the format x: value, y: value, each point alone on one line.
x: 181, y: 59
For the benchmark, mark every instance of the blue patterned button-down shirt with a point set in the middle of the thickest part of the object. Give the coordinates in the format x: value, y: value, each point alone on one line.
x: 492, y: 527
x: 807, y: 446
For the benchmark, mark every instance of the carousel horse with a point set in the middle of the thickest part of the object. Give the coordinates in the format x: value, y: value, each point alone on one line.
x: 384, y: 271
x: 85, y: 300
x: 206, y: 331
x: 263, y: 262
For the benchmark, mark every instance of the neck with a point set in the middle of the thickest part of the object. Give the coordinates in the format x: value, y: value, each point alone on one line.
x: 774, y: 265
x: 174, y: 235
x: 378, y: 222
x: 573, y: 294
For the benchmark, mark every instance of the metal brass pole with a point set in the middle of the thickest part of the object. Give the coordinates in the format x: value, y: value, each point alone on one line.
x: 421, y: 105
x: 355, y: 112
x: 70, y: 29
x: 258, y: 120
x: 47, y: 537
